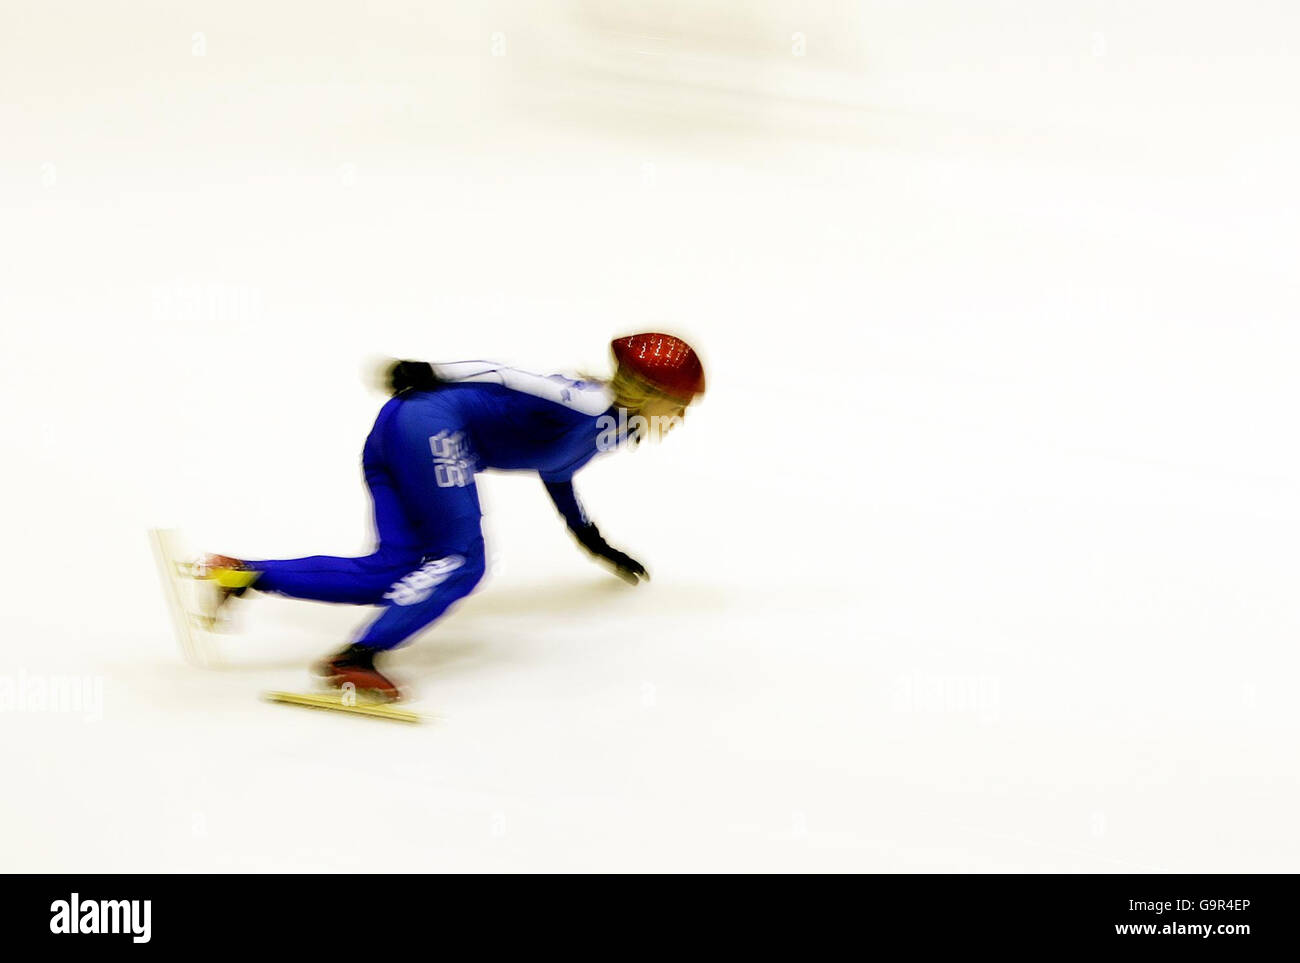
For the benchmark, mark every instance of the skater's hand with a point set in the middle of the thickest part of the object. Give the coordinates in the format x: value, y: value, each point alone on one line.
x: 625, y: 566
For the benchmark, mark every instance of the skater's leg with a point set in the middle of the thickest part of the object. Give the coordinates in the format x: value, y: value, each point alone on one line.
x: 328, y: 578
x: 422, y: 596
x: 427, y: 452
x: 361, y: 580
x: 429, y: 456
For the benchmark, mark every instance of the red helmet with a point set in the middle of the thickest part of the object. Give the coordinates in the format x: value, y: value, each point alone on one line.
x: 667, y: 363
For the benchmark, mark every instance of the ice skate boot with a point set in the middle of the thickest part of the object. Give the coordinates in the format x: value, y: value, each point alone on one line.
x: 196, y: 590
x: 222, y: 578
x: 354, y: 667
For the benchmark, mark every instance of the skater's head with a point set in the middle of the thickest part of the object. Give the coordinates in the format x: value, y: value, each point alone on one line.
x: 657, y: 376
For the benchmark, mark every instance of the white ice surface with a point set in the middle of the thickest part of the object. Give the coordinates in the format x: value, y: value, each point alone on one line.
x: 979, y: 555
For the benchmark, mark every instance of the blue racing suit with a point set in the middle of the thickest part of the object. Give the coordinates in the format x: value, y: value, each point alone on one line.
x: 419, y: 462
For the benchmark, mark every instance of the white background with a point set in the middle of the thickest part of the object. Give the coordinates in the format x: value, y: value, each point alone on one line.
x: 979, y: 555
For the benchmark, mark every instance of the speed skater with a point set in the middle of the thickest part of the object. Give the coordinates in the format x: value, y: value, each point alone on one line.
x: 443, y: 424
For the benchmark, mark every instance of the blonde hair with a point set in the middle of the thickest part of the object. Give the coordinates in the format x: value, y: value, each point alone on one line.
x: 631, y: 392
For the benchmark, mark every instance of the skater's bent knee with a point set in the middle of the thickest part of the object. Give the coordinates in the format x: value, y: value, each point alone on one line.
x: 450, y: 575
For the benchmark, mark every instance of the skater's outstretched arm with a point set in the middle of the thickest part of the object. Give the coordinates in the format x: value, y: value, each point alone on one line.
x: 588, y: 535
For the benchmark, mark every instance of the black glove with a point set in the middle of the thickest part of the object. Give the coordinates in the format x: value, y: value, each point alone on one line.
x: 627, y: 568
x: 411, y: 376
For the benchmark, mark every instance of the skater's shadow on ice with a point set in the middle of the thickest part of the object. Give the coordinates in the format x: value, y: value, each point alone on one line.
x: 541, y: 598
x: 497, y: 624
x: 603, y: 596
x: 490, y: 626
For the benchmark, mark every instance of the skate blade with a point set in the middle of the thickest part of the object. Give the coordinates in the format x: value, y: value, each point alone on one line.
x: 335, y: 701
x: 192, y: 628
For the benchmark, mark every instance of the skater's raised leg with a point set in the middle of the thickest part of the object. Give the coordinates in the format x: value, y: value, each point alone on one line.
x: 360, y: 580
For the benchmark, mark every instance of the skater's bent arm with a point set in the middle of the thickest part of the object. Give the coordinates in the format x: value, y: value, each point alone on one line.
x: 588, y: 535
x: 567, y: 504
